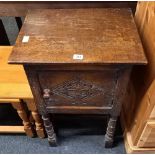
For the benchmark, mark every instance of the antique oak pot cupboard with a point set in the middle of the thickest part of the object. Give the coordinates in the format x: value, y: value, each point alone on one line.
x: 78, y: 61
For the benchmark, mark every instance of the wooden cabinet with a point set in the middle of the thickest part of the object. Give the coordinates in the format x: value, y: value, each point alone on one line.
x: 147, y: 138
x: 79, y: 61
x: 140, y: 119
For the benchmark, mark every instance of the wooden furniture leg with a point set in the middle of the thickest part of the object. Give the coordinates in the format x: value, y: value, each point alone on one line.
x: 37, y: 119
x: 109, y: 137
x: 49, y: 130
x: 23, y: 115
x: 11, y: 129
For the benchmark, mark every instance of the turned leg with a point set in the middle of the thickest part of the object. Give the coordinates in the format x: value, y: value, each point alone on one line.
x: 36, y: 117
x: 50, y: 130
x: 109, y: 137
x: 23, y: 115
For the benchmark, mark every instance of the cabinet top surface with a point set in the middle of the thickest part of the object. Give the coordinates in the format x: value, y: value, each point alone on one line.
x: 106, y: 35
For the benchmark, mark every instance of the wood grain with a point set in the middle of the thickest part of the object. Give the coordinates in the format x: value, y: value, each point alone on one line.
x: 145, y: 97
x: 36, y: 117
x: 130, y: 148
x: 61, y: 33
x: 10, y: 69
x: 140, y: 124
x: 147, y: 137
x: 13, y: 81
x: 110, y: 45
x: 14, y: 87
x: 19, y: 9
x: 12, y: 129
x: 21, y: 110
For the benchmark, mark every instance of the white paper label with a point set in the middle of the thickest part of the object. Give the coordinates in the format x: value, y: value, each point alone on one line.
x: 78, y: 56
x: 25, y: 39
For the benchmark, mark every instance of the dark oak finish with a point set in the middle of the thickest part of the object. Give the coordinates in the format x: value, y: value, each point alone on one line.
x: 50, y: 130
x: 110, y: 132
x: 77, y: 88
x: 101, y: 35
x: 96, y: 84
x: 19, y: 9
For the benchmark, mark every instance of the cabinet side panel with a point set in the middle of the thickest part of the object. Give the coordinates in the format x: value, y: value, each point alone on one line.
x: 36, y: 91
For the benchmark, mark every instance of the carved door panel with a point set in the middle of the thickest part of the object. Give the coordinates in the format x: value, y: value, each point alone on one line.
x: 80, y: 88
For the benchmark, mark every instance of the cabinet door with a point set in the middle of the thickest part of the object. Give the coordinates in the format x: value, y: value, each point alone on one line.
x: 147, y: 138
x: 78, y: 89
